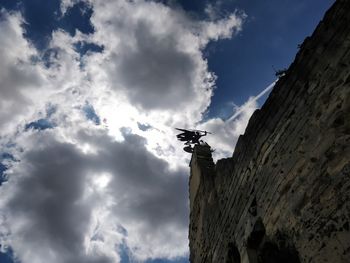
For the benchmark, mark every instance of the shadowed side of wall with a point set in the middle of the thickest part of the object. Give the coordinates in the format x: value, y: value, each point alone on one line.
x: 284, y: 196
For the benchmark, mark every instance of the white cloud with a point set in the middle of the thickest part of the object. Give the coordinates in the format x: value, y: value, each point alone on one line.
x: 226, y: 132
x: 66, y: 4
x: 66, y: 209
x: 26, y: 83
x: 46, y: 205
x: 153, y: 54
x: 94, y: 188
x: 19, y: 75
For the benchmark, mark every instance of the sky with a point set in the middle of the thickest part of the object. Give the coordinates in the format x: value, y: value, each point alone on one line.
x: 90, y: 94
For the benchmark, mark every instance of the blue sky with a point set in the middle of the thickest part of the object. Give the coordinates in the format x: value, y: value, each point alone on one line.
x: 244, y: 65
x: 269, y: 39
x: 103, y: 84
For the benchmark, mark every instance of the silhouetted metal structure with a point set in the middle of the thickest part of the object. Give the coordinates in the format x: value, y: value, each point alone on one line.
x: 280, y: 72
x: 191, y: 137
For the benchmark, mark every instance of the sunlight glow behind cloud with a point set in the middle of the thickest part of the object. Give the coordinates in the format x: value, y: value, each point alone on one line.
x: 72, y: 187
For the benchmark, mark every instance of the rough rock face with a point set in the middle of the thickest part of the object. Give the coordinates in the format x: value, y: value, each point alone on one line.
x: 284, y: 196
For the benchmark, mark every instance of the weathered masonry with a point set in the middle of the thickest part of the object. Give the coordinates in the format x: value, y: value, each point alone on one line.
x: 284, y: 196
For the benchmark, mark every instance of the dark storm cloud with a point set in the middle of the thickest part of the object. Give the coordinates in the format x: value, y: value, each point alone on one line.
x: 153, y: 53
x: 48, y: 208
x: 47, y: 200
x: 71, y: 192
x: 153, y: 194
x: 155, y: 72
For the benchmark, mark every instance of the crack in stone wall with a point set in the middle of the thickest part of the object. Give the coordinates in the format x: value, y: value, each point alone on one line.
x: 284, y: 196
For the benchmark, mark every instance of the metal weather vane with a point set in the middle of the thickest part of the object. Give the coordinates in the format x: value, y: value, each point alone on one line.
x: 191, y: 137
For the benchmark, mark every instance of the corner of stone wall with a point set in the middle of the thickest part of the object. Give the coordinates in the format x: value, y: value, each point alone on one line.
x: 284, y: 195
x: 202, y: 200
x: 202, y: 170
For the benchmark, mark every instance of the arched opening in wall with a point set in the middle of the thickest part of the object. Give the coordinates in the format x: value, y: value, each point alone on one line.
x: 233, y: 255
x: 257, y: 234
x: 261, y: 249
x: 254, y: 240
x: 271, y: 253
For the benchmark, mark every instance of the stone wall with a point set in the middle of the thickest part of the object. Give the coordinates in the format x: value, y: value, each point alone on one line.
x: 284, y: 196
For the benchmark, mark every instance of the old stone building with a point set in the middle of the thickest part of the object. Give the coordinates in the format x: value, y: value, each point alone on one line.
x: 284, y: 196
